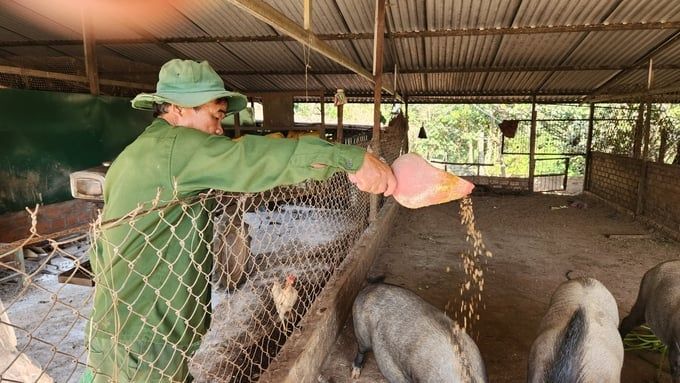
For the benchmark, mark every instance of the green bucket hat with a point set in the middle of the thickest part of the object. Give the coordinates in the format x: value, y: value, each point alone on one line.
x: 188, y: 83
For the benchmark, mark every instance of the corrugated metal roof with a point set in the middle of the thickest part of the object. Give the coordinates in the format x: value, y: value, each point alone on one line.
x: 460, y: 51
x: 547, y: 49
x: 573, y: 81
x: 619, y: 49
x: 455, y: 50
x: 561, y: 12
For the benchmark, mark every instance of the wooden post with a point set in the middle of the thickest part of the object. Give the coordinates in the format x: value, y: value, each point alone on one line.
x: 663, y: 145
x: 237, y: 125
x: 532, y: 145
x: 648, y: 119
x: 642, y: 188
x: 637, y: 133
x: 307, y: 18
x: 408, y: 127
x: 339, y: 135
x: 322, y: 129
x: 90, y: 53
x: 378, y: 35
x: 589, y: 147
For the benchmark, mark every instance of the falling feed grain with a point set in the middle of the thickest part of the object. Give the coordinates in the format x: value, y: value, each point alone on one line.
x: 474, y: 259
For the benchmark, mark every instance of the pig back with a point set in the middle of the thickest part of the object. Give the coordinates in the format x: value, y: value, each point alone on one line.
x: 416, y: 337
x: 598, y: 352
x: 661, y: 289
x: 588, y: 293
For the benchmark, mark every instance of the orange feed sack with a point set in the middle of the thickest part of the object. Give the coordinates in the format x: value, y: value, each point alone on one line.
x: 420, y: 184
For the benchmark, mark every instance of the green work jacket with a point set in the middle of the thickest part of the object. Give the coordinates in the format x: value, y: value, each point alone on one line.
x: 152, y: 292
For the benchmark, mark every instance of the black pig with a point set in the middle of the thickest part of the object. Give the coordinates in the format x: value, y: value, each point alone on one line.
x: 658, y: 305
x: 412, y: 340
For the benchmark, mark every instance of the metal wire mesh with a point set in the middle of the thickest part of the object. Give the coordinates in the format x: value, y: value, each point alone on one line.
x: 268, y: 257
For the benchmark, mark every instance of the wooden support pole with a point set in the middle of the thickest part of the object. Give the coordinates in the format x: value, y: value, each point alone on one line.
x: 405, y: 149
x: 648, y: 121
x: 642, y: 189
x: 637, y: 133
x: 589, y: 147
x: 307, y: 22
x: 322, y: 129
x: 663, y: 145
x: 340, y: 135
x: 532, y: 146
x: 379, y: 33
x: 237, y: 125
x: 91, y: 69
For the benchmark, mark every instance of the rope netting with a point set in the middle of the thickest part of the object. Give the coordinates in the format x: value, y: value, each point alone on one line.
x: 207, y: 287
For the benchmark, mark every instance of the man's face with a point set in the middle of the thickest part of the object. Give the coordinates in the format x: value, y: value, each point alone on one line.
x: 206, y: 117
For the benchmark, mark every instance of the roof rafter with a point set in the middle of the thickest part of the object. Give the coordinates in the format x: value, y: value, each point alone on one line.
x: 528, y: 30
x: 271, y: 16
x: 566, y: 68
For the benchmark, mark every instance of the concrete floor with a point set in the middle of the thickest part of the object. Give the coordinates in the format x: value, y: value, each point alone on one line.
x: 533, y: 246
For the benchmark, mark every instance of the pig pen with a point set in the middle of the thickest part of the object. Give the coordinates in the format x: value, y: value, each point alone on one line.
x: 536, y: 239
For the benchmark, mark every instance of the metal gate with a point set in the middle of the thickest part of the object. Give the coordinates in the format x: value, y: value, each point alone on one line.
x: 551, y: 174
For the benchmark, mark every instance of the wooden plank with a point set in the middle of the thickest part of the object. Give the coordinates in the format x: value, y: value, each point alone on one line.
x: 628, y: 236
x: 303, y: 354
x: 78, y: 275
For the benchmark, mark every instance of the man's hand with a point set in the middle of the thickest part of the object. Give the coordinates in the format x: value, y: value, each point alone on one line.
x: 374, y: 176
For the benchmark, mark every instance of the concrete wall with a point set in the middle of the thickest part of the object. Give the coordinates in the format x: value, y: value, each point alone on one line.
x: 649, y: 190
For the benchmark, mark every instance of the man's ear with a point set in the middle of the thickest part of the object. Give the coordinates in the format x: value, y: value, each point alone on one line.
x: 178, y: 109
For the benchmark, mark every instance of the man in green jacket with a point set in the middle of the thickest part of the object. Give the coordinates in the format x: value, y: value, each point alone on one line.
x: 152, y: 294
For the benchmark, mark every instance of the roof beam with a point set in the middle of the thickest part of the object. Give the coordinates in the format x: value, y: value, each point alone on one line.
x: 271, y: 16
x: 69, y: 77
x: 528, y: 30
x: 566, y: 68
x: 633, y: 95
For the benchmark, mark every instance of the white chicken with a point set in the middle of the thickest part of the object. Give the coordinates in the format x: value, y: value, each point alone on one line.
x: 16, y: 366
x: 284, y: 297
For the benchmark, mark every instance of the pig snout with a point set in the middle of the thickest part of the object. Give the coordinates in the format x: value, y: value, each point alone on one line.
x: 412, y: 341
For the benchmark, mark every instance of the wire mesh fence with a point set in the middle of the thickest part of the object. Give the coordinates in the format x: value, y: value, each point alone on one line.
x: 207, y: 287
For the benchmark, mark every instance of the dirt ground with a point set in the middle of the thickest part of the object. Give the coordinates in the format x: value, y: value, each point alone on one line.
x: 533, y: 248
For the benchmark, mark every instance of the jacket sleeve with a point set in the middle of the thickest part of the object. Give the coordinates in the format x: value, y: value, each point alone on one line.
x: 255, y: 163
